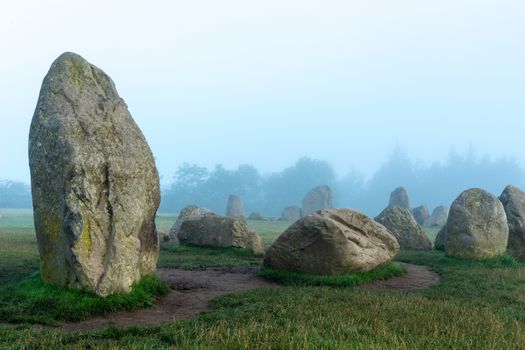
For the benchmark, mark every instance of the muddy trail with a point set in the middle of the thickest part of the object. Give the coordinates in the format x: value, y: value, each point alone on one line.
x: 192, y: 290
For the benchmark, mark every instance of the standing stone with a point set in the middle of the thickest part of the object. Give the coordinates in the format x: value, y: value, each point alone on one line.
x: 399, y: 198
x: 438, y: 218
x: 477, y: 226
x: 332, y: 242
x: 94, y: 183
x: 291, y: 213
x: 235, y: 207
x: 317, y: 198
x: 513, y: 200
x: 189, y: 212
x: 441, y: 239
x: 420, y: 214
x: 256, y: 216
x: 213, y: 230
x: 402, y: 224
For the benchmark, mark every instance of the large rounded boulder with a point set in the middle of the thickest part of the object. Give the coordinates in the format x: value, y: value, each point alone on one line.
x: 94, y: 183
x: 404, y: 227
x: 399, y: 198
x: 317, y: 198
x: 513, y: 200
x: 189, y: 212
x: 213, y: 230
x: 477, y: 226
x: 332, y: 242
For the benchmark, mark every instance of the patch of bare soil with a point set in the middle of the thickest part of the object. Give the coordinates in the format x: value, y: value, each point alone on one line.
x: 416, y: 278
x: 191, y: 292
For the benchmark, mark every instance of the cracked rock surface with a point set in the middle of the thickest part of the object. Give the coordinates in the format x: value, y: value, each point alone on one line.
x: 94, y: 183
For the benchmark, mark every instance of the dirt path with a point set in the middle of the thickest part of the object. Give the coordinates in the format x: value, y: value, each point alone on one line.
x: 416, y: 279
x: 192, y: 291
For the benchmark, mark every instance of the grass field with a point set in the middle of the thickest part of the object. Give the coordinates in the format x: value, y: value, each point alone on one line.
x: 477, y: 305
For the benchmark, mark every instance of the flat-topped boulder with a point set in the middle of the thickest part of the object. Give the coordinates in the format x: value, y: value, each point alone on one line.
x: 513, y: 200
x: 235, y: 207
x: 94, y: 182
x: 402, y: 224
x: 317, y: 198
x: 189, y: 212
x: 213, y: 230
x: 332, y: 242
x: 477, y: 226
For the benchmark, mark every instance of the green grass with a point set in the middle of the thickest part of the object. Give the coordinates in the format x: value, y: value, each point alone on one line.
x: 346, y: 280
x: 188, y: 257
x: 35, y: 302
x: 477, y: 305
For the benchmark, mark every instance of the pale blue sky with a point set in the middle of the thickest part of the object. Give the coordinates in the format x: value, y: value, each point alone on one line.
x: 266, y: 82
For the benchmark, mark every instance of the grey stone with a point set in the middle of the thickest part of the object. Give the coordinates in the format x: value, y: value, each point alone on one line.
x: 332, y: 242
x: 438, y: 218
x: 214, y: 230
x: 441, y: 239
x: 477, y: 226
x: 291, y: 213
x: 94, y: 183
x: 189, y: 212
x: 235, y: 207
x: 256, y: 216
x: 402, y: 224
x: 420, y: 214
x: 317, y: 198
x: 513, y: 200
x: 399, y: 197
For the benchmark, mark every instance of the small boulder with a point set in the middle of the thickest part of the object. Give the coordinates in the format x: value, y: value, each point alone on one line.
x: 214, y: 230
x: 420, y: 214
x: 235, y: 207
x: 513, y: 200
x: 317, y: 198
x: 438, y: 218
x: 291, y: 213
x: 477, y: 226
x: 332, y: 242
x: 404, y: 227
x: 256, y: 216
x: 399, y: 198
x: 189, y: 212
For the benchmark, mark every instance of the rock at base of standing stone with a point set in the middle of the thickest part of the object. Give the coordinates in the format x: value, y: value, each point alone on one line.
x: 94, y: 182
x: 332, y: 242
x: 477, y: 226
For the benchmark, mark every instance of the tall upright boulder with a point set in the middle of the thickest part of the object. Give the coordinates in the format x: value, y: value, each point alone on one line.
x: 477, y: 226
x: 235, y: 207
x: 421, y: 214
x: 513, y: 200
x: 332, y: 242
x: 317, y: 198
x: 399, y: 198
x: 94, y: 183
x: 404, y: 227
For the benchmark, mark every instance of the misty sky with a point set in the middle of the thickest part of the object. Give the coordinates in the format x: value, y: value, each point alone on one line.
x: 267, y: 82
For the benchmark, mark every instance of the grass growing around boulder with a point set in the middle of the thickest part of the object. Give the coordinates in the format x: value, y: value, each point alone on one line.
x: 33, y: 301
x: 191, y: 257
x: 346, y: 280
